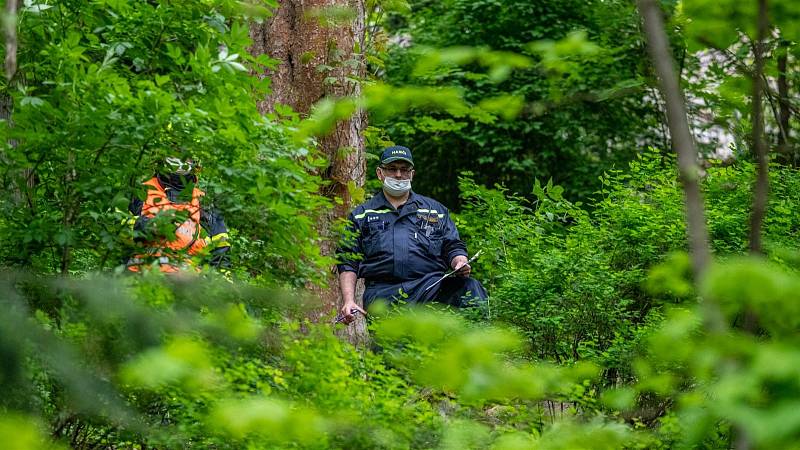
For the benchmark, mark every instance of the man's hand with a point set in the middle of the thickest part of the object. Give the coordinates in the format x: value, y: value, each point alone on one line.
x: 460, y: 265
x: 347, y: 285
x: 346, y: 313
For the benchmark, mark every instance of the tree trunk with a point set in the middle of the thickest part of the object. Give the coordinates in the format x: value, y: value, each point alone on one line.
x: 785, y: 113
x: 10, y: 34
x: 683, y: 144
x: 24, y: 182
x: 682, y: 141
x: 317, y: 62
x: 761, y: 187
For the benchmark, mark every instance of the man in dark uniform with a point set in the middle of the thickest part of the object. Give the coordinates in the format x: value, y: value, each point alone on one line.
x: 404, y: 243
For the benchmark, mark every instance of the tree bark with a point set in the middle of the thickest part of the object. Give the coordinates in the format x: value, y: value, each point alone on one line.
x: 318, y: 62
x: 10, y: 34
x: 23, y: 187
x: 761, y: 187
x: 70, y: 209
x: 683, y: 144
x: 785, y: 112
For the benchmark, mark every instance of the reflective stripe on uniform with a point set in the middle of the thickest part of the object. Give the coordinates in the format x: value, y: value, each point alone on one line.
x: 220, y: 240
x: 374, y: 211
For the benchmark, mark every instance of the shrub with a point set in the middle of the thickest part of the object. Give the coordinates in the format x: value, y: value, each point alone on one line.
x: 572, y: 281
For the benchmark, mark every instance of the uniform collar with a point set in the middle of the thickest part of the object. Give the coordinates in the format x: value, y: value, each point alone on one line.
x: 174, y: 181
x: 413, y: 199
x: 380, y: 200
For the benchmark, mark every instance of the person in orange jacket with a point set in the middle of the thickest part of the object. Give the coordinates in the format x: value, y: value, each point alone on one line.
x: 171, y: 226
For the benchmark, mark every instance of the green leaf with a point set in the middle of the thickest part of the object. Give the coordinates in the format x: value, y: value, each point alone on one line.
x: 31, y: 101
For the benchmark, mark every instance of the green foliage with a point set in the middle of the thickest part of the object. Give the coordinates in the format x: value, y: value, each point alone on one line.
x: 104, y: 92
x: 23, y: 433
x: 162, y: 364
x: 747, y: 381
x: 183, y: 374
x: 563, y: 81
x: 594, y: 312
x: 573, y: 283
x: 716, y: 24
x: 718, y: 71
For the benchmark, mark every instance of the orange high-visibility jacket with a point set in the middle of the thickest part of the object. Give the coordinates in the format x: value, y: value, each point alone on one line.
x: 171, y: 252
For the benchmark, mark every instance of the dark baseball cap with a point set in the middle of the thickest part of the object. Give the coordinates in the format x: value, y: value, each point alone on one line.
x: 396, y: 153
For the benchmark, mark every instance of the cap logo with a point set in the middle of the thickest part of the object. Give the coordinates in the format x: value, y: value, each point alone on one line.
x: 398, y: 152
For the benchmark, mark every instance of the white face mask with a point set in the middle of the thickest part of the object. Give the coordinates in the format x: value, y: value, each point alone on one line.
x: 395, y: 187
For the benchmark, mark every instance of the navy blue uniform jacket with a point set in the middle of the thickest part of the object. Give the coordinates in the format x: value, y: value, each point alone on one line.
x: 407, y: 248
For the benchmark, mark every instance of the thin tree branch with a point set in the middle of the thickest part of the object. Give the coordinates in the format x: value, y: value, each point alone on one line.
x: 761, y: 186
x: 745, y: 70
x: 683, y: 144
x: 784, y: 119
x: 782, y: 135
x: 682, y: 140
x: 70, y: 211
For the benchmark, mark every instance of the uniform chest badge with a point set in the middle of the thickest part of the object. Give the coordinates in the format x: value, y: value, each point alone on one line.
x: 428, y: 217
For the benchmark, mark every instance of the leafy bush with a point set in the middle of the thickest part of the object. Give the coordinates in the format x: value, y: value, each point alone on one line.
x: 166, y: 362
x: 725, y: 384
x: 569, y: 114
x: 193, y: 361
x: 573, y: 283
x: 106, y: 90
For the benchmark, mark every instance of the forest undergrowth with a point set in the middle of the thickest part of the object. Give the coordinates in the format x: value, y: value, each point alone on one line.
x: 593, y: 317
